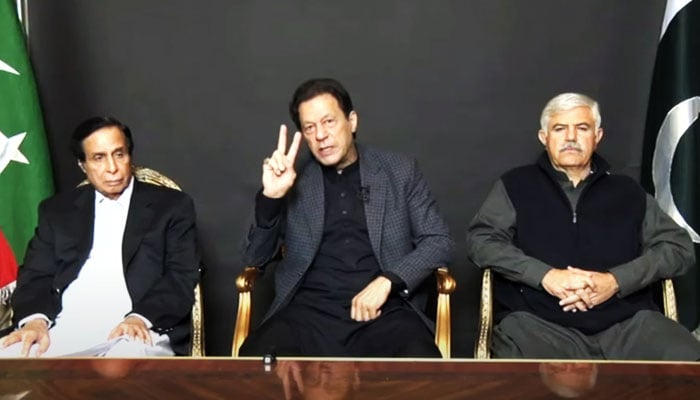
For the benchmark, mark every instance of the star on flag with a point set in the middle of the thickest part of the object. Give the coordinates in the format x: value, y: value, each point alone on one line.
x: 9, y: 150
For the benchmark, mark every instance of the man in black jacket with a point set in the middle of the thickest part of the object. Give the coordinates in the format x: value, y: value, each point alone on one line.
x: 576, y: 251
x: 112, y: 267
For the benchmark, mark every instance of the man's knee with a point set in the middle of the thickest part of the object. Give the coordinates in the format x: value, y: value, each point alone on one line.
x: 276, y: 336
x: 524, y: 335
x: 650, y: 335
x: 250, y: 347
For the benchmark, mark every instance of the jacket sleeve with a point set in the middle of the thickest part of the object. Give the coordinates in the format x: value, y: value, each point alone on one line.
x: 265, y: 232
x: 433, y: 246
x: 169, y: 300
x: 35, y: 291
x: 490, y: 241
x: 667, y: 252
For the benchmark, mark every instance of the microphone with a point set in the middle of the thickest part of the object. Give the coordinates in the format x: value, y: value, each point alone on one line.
x: 268, y: 360
x: 363, y: 194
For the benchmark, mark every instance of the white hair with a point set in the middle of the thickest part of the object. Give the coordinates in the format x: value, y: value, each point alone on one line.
x: 566, y: 102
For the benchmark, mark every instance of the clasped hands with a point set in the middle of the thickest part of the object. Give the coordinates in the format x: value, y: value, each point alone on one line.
x: 578, y: 289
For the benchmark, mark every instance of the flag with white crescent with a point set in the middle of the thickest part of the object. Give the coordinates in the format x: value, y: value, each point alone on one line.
x: 672, y: 137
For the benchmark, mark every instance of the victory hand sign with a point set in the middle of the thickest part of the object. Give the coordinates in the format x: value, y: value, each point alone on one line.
x: 278, y: 169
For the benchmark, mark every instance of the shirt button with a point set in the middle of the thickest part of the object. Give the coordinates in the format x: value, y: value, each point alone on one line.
x: 345, y: 212
x: 342, y: 194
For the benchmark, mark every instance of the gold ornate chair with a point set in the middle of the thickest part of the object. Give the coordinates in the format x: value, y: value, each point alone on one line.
x: 445, y: 286
x: 153, y: 177
x: 482, y: 348
x: 5, y: 316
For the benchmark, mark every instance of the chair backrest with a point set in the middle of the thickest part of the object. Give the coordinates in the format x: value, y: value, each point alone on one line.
x: 154, y: 177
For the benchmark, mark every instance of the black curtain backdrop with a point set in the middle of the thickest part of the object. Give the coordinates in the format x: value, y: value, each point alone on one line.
x: 457, y: 84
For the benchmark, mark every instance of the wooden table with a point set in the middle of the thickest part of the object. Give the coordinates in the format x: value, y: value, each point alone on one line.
x: 221, y: 378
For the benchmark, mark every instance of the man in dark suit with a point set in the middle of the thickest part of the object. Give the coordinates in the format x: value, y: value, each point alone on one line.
x: 112, y: 266
x: 361, y: 232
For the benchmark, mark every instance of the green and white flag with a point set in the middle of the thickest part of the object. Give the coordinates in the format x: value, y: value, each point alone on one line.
x: 25, y: 167
x: 672, y: 139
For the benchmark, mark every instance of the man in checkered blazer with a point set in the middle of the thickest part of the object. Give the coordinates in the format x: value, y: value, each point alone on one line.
x: 361, y: 232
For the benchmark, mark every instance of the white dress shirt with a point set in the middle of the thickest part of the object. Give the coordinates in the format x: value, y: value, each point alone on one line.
x: 98, y: 299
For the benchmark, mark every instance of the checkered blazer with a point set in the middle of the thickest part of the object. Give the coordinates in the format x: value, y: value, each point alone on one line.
x: 408, y: 235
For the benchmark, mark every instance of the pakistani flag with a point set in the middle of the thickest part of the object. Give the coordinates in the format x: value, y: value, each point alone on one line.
x: 25, y: 168
x: 672, y: 139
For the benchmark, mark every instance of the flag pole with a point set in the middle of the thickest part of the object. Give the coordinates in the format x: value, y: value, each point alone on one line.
x: 23, y: 14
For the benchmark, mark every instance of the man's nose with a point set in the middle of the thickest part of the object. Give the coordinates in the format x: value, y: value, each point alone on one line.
x: 321, y: 133
x: 111, y: 165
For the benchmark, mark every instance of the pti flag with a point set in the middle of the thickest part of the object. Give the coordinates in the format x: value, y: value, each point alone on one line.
x: 8, y: 270
x: 672, y: 138
x: 25, y: 169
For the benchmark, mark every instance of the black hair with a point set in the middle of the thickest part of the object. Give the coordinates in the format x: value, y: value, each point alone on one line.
x: 90, y: 125
x: 315, y: 87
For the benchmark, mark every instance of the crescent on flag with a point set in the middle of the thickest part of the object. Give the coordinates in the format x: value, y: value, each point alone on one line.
x: 675, y: 125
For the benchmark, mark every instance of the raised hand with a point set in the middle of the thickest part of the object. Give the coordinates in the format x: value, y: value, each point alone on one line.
x: 278, y: 169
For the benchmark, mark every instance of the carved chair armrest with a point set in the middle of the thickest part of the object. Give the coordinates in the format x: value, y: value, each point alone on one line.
x: 246, y: 280
x: 669, y: 295
x: 244, y: 284
x: 446, y: 284
x: 482, y: 349
x: 197, y: 323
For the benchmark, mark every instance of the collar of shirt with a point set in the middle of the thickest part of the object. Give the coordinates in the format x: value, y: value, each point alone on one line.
x: 336, y: 175
x: 124, y: 199
x: 563, y: 178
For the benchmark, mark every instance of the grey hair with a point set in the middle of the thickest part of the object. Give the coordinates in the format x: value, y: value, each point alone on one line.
x: 566, y: 102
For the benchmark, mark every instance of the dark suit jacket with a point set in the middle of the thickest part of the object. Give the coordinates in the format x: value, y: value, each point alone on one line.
x: 159, y: 253
x: 407, y: 233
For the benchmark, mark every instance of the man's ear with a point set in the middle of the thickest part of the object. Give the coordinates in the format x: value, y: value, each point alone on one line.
x: 598, y: 135
x: 542, y: 135
x: 82, y: 167
x: 353, y: 118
